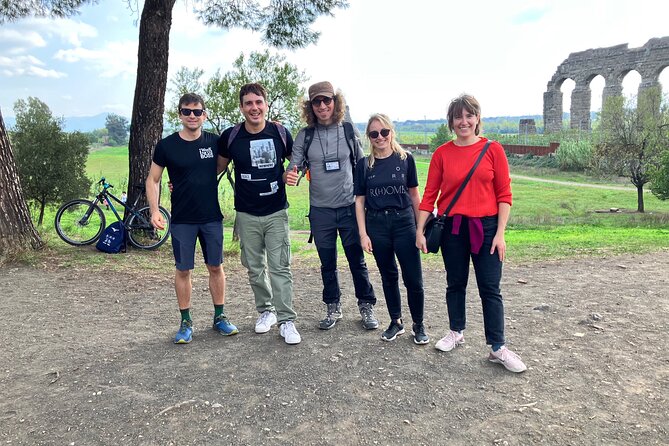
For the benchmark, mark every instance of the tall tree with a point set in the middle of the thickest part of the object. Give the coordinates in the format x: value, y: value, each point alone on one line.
x: 633, y: 139
x: 221, y: 92
x: 16, y: 228
x: 117, y: 129
x: 52, y: 163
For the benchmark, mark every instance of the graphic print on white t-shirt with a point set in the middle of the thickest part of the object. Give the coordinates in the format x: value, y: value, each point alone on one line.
x: 263, y: 154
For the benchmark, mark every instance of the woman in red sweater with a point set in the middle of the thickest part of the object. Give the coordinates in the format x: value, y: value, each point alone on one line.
x: 474, y: 227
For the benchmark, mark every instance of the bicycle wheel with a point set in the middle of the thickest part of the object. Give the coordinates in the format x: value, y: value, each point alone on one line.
x: 79, y: 222
x: 140, y: 232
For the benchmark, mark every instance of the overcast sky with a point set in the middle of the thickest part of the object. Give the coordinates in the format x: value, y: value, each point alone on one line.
x: 405, y: 59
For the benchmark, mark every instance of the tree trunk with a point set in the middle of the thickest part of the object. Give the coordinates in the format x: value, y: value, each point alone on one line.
x: 639, y: 199
x: 42, y: 207
x: 146, y: 127
x: 16, y: 228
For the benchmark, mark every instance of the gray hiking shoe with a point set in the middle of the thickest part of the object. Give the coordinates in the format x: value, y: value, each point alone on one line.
x: 369, y: 321
x: 331, y: 317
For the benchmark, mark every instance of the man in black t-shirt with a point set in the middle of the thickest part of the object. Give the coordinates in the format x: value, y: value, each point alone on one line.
x: 258, y: 150
x: 191, y: 161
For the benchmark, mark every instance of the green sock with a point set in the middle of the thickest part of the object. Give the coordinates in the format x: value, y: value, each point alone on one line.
x: 185, y: 314
x: 218, y: 310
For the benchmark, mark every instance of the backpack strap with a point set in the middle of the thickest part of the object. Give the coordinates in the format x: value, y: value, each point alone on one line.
x: 308, y: 138
x: 282, y: 134
x: 228, y: 170
x: 233, y: 134
x: 349, y: 135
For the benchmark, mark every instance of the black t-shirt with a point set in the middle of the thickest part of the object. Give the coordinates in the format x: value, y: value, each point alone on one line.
x: 386, y: 185
x: 191, y: 166
x: 258, y: 158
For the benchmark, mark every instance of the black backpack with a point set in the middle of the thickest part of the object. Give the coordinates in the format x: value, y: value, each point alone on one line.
x: 349, y: 135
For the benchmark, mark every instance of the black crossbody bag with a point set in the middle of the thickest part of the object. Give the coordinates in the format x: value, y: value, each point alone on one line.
x: 434, y: 227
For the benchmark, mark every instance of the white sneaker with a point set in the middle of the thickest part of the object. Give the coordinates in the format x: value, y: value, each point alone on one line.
x: 265, y: 322
x: 289, y: 333
x: 450, y: 341
x: 508, y: 359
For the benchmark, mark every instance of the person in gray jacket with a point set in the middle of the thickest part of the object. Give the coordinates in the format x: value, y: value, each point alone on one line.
x: 327, y: 150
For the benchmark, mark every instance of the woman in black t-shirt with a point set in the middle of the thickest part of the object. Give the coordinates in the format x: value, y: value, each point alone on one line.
x: 386, y: 203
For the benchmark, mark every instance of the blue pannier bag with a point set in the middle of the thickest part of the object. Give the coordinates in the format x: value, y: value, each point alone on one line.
x: 112, y: 239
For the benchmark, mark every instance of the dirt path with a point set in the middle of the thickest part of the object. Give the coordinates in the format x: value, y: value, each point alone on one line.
x: 576, y: 184
x: 83, y: 366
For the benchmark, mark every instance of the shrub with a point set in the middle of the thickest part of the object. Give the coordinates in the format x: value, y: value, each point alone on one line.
x: 574, y: 155
x: 660, y: 178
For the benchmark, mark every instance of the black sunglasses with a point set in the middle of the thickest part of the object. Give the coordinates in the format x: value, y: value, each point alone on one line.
x: 317, y: 102
x: 187, y: 111
x: 374, y: 134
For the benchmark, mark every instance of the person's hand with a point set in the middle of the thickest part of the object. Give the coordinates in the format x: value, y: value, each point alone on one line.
x: 292, y: 176
x: 170, y: 186
x: 366, y: 243
x: 421, y: 243
x: 499, y: 244
x: 157, y: 220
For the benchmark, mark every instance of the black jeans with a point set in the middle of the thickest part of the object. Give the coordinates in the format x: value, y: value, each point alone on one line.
x: 325, y: 223
x: 456, y: 252
x: 393, y: 234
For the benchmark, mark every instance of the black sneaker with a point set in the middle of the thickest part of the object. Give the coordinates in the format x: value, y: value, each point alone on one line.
x: 331, y: 317
x: 369, y: 321
x: 393, y: 330
x: 419, y: 336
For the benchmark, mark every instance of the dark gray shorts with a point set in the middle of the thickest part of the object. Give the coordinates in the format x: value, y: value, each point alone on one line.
x: 183, y: 243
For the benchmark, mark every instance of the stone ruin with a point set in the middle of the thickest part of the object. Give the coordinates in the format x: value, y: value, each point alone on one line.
x: 527, y: 127
x: 612, y: 63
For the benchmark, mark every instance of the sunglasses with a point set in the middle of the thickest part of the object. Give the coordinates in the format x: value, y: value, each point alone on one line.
x: 317, y: 102
x: 374, y: 134
x: 187, y: 111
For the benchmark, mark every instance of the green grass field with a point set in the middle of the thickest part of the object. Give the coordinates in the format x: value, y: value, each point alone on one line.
x: 548, y: 221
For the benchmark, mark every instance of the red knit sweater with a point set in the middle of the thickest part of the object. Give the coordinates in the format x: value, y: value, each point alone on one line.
x: 490, y: 184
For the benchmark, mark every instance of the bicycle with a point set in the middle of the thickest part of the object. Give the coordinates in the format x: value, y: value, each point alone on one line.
x: 81, y: 222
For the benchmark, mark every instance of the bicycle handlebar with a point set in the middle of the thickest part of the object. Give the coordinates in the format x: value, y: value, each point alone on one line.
x: 104, y: 184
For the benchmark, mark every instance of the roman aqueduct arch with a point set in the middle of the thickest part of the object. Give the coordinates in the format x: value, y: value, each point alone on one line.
x: 612, y: 63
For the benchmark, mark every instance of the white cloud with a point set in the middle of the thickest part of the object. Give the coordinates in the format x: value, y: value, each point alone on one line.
x: 68, y: 31
x: 14, y: 39
x: 20, y: 61
x: 27, y: 66
x: 115, y: 59
x: 41, y: 72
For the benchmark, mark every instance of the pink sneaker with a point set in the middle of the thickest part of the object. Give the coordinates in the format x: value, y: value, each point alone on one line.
x: 508, y: 359
x: 450, y: 341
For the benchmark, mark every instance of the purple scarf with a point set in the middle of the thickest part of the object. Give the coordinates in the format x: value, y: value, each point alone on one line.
x: 475, y: 231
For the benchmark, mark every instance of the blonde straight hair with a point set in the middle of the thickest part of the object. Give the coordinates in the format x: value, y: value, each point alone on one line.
x: 394, y: 145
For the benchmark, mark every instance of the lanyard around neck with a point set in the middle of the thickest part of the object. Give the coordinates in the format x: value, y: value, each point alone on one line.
x: 324, y: 150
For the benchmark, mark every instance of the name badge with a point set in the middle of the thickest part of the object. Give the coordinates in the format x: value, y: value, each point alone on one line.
x: 331, y: 166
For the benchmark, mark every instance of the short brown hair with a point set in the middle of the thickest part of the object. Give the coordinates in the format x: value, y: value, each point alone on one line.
x: 254, y: 88
x: 191, y: 98
x: 464, y: 102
